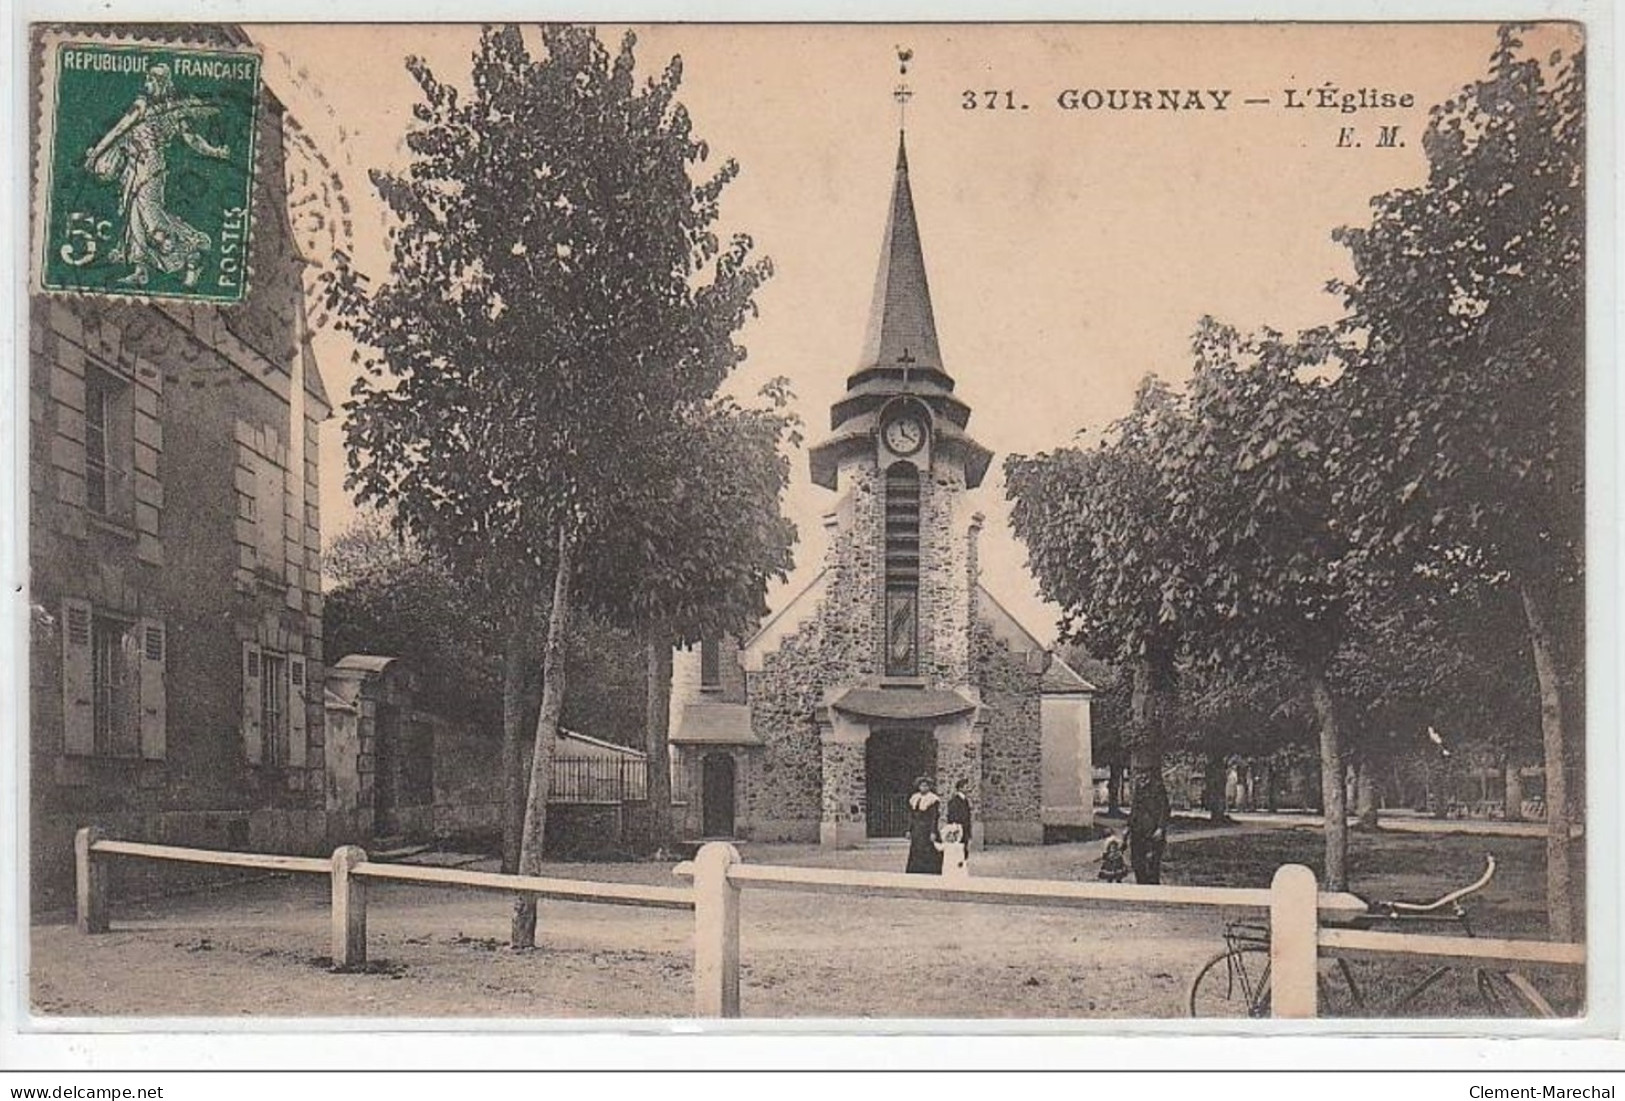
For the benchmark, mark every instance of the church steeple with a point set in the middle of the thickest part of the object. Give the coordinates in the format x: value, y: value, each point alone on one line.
x: 900, y: 367
x: 902, y: 330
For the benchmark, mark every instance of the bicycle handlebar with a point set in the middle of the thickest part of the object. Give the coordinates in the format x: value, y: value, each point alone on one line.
x: 1443, y: 900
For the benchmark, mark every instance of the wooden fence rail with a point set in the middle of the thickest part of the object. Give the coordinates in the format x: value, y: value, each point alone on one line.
x: 350, y: 872
x: 1472, y: 951
x: 1295, y: 905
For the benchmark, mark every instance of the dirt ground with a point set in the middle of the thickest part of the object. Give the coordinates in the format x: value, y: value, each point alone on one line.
x: 260, y: 948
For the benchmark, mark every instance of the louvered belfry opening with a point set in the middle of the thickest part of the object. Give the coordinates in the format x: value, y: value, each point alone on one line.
x: 902, y: 570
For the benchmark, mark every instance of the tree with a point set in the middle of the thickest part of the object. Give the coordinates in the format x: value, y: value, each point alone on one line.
x: 1420, y: 658
x: 1093, y: 523
x: 433, y: 595
x: 1230, y: 713
x: 1467, y: 329
x: 696, y: 561
x: 557, y: 307
x: 393, y: 598
x: 1255, y: 492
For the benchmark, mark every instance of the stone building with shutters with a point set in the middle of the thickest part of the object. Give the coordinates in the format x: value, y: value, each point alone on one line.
x: 895, y: 662
x: 174, y: 536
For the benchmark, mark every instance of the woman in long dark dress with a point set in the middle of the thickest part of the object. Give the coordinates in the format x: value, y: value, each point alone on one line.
x: 924, y: 808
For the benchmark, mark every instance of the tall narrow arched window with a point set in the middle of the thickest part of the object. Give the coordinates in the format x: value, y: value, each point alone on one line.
x: 902, y: 571
x: 710, y: 663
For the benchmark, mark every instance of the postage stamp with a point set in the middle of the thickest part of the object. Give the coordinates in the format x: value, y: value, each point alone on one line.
x: 148, y: 170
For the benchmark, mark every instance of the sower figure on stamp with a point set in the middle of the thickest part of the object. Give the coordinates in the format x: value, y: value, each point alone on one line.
x: 958, y: 813
x: 924, y: 810
x: 135, y: 152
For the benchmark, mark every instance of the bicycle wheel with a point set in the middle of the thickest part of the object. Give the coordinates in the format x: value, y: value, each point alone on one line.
x: 1340, y: 994
x: 1235, y: 983
x: 1511, y: 994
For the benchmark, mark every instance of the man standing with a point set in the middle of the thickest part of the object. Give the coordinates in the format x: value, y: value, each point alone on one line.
x: 958, y: 814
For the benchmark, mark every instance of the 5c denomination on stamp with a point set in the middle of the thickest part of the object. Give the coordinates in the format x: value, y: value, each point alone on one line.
x: 148, y: 170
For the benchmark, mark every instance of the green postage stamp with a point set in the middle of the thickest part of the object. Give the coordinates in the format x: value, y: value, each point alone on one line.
x: 148, y: 170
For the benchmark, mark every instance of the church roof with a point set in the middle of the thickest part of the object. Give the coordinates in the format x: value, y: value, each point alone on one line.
x: 902, y: 330
x: 1060, y: 679
x: 706, y: 723
x: 901, y: 357
x: 1057, y: 678
x: 903, y: 703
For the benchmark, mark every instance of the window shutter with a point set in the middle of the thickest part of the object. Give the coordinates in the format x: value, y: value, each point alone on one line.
x: 253, y: 743
x: 154, y: 712
x: 78, y: 684
x: 296, y: 711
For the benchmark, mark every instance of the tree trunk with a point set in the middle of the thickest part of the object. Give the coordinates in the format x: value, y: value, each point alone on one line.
x: 1148, y: 817
x: 513, y: 754
x: 1512, y: 799
x: 1214, y: 776
x: 1365, y: 794
x: 1560, y: 893
x: 657, y: 732
x: 1114, y: 787
x: 1272, y: 799
x: 1332, y: 791
x: 547, y: 735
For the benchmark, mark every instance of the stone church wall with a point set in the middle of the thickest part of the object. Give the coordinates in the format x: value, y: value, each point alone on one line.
x: 781, y: 799
x: 853, y: 617
x: 1012, y: 743
x: 945, y: 581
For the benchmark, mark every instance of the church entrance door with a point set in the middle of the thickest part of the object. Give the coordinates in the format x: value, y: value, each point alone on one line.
x: 717, y: 795
x: 893, y: 761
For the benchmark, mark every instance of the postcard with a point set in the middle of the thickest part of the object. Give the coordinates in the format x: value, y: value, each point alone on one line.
x: 1065, y: 525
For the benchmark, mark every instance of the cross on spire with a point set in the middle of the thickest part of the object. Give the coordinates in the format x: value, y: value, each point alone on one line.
x: 903, y: 93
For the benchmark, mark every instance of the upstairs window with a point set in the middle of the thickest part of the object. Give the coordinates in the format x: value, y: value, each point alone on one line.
x: 710, y: 663
x: 263, y: 501
x: 109, y: 446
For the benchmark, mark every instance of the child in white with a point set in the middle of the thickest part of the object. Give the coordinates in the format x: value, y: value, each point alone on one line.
x: 952, y: 848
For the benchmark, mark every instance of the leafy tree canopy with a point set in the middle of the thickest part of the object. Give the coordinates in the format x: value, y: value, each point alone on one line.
x: 1466, y: 333
x: 557, y: 301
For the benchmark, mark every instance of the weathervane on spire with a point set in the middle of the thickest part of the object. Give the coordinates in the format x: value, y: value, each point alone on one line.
x: 903, y: 93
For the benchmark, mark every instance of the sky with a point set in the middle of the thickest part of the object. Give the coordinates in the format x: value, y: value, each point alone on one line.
x: 1070, y: 251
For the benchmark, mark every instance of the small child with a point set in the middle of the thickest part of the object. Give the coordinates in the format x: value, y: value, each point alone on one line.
x: 952, y: 848
x: 1113, y: 868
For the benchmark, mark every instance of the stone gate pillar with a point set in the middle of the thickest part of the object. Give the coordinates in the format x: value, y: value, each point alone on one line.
x: 842, y: 823
x: 959, y: 759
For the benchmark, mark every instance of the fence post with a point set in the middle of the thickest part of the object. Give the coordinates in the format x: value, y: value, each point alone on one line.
x: 716, y: 932
x: 1294, y: 942
x: 349, y: 910
x: 90, y: 881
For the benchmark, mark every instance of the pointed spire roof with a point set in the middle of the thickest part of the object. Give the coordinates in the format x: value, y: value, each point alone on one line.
x: 901, y: 359
x: 902, y: 331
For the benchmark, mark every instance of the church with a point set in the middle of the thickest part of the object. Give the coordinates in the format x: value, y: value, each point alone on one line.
x: 894, y: 662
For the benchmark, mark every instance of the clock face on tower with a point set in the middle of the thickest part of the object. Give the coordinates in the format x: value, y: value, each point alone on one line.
x: 905, y: 435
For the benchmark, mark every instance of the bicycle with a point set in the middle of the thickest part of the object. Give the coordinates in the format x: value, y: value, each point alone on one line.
x: 1236, y: 982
